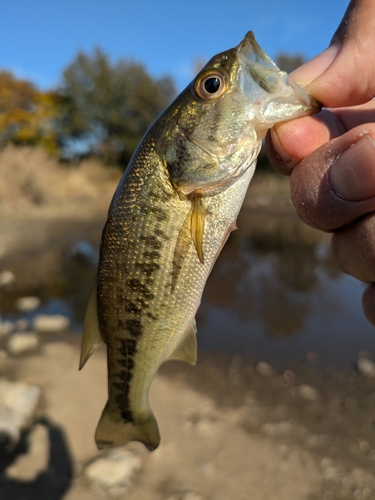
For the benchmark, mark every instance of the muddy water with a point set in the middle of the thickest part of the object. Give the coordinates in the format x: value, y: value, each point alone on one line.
x: 275, y: 294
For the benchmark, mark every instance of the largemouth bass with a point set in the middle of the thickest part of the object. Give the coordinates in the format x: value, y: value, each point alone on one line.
x: 171, y: 214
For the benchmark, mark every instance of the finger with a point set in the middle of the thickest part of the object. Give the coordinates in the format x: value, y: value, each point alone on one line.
x: 368, y: 303
x: 354, y: 249
x: 335, y: 185
x: 343, y: 75
x: 288, y: 143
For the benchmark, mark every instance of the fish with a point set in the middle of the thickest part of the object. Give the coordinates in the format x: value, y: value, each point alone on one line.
x: 169, y: 218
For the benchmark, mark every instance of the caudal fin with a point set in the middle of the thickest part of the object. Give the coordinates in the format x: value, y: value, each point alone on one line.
x: 113, y: 430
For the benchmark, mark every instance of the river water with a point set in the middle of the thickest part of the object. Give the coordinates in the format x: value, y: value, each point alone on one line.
x: 275, y: 293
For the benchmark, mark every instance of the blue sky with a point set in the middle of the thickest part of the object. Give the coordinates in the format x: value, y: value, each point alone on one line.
x: 39, y: 38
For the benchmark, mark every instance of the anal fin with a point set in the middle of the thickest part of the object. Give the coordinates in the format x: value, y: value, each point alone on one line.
x: 187, y: 348
x: 91, y: 337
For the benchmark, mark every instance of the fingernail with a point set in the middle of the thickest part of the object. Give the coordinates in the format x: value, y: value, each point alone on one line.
x: 352, y: 175
x: 306, y: 73
x: 277, y: 147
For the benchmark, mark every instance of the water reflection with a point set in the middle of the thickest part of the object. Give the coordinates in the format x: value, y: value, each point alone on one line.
x: 277, y: 294
x: 274, y: 293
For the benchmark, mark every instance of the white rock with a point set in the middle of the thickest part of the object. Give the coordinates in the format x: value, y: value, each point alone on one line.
x: 27, y: 304
x: 53, y: 323
x: 265, y: 369
x: 18, y: 402
x: 115, y: 470
x: 6, y: 278
x: 22, y: 342
x: 366, y: 367
x: 307, y: 392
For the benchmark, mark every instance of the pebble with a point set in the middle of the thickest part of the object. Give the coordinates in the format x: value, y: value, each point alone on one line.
x: 6, y: 328
x: 18, y: 402
x: 53, y: 323
x: 22, y: 324
x: 289, y: 376
x: 312, y: 358
x: 265, y: 369
x: 185, y: 495
x: 278, y: 430
x: 6, y: 278
x: 307, y: 392
x: 20, y: 343
x: 115, y: 470
x: 27, y: 304
x: 366, y: 367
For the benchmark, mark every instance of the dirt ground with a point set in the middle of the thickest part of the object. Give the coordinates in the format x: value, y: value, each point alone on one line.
x: 230, y: 430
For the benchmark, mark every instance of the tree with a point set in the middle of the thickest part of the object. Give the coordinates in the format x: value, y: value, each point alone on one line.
x: 287, y: 62
x: 107, y: 107
x: 27, y: 115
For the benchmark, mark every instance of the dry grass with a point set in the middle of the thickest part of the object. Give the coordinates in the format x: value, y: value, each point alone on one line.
x: 268, y: 190
x: 28, y: 176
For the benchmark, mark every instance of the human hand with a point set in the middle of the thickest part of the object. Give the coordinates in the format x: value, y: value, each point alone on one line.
x: 331, y: 156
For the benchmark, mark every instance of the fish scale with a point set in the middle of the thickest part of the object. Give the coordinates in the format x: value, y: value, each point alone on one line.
x: 170, y: 216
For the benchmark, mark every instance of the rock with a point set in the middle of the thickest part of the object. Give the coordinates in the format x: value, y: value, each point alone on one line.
x: 307, y: 392
x: 54, y: 323
x: 22, y: 342
x: 116, y: 470
x: 18, y: 402
x: 279, y: 430
x: 6, y: 278
x: 366, y: 367
x: 185, y: 495
x: 22, y: 324
x: 265, y: 369
x: 312, y: 358
x: 6, y: 328
x: 27, y: 304
x: 289, y: 376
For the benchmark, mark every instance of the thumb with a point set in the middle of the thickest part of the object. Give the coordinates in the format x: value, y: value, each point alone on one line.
x: 343, y: 74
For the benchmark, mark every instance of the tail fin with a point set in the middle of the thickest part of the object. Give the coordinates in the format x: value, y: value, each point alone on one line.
x: 113, y: 430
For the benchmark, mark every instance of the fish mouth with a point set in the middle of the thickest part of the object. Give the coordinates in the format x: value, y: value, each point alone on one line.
x: 275, y: 96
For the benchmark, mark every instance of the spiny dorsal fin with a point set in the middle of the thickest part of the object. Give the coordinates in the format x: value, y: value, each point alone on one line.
x: 91, y: 337
x: 198, y: 217
x: 187, y: 348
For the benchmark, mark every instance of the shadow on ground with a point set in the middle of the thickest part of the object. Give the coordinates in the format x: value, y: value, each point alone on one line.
x: 52, y: 483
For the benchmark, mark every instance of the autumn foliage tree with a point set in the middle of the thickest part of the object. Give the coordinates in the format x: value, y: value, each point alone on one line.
x: 27, y: 116
x: 108, y: 107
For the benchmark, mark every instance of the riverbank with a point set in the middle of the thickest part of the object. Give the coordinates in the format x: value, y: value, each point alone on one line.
x: 232, y: 427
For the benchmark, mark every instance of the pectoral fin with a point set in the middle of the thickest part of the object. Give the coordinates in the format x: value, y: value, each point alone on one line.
x: 182, y: 246
x: 91, y: 337
x: 198, y: 217
x: 187, y: 348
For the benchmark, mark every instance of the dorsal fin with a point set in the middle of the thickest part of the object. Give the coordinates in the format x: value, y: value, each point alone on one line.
x: 91, y: 337
x: 187, y: 348
x: 198, y: 217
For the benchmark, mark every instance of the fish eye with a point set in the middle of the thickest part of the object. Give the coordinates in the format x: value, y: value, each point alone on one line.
x: 210, y: 85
